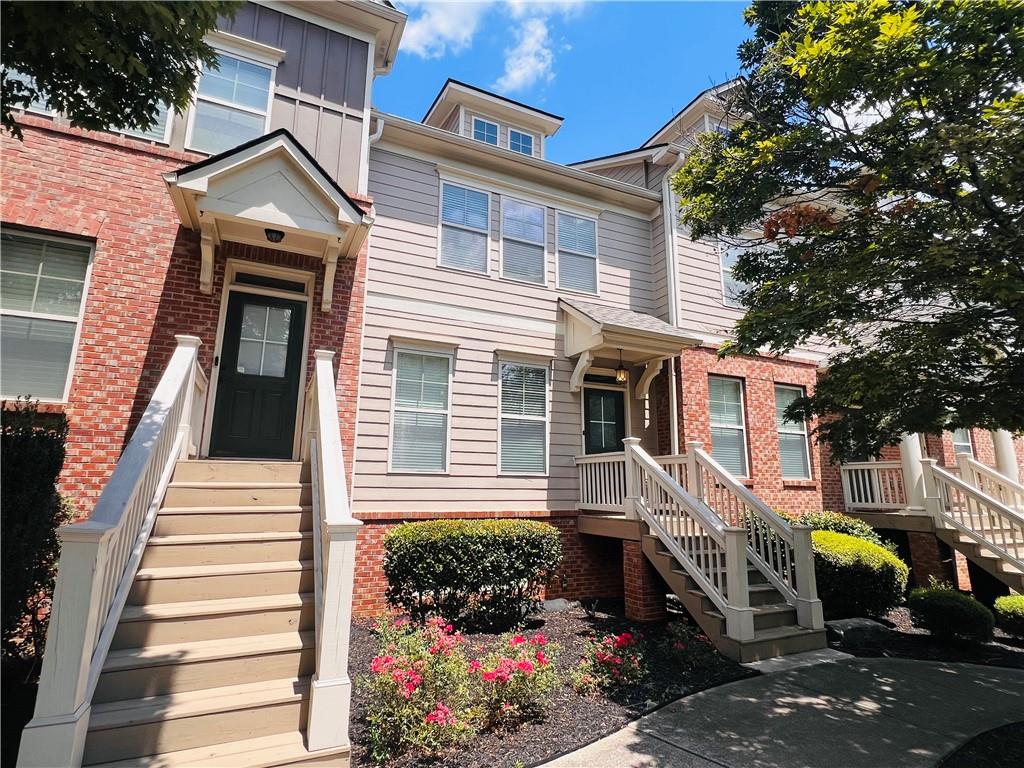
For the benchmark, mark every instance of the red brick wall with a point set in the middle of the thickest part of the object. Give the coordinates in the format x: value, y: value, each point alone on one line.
x: 144, y: 285
x: 759, y: 375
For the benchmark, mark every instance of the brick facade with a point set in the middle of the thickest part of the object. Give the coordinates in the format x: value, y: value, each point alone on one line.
x: 144, y: 284
x: 644, y: 589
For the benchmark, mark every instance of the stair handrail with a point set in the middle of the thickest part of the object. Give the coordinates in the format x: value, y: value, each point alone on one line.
x: 978, y: 516
x: 99, y: 559
x: 781, y: 550
x: 712, y: 553
x: 990, y: 481
x: 334, y: 532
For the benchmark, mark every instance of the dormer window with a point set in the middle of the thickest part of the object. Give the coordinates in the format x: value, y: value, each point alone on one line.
x: 520, y: 142
x: 485, y: 131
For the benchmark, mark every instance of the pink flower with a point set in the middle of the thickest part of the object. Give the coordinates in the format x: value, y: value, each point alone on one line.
x: 410, y: 688
x: 542, y: 659
x: 525, y: 666
x: 517, y: 640
x: 488, y: 676
x: 381, y: 664
x: 624, y: 640
x: 399, y: 623
x: 538, y: 639
x: 441, y: 715
x: 475, y: 665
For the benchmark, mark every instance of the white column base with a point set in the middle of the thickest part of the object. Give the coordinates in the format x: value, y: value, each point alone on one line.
x: 739, y: 623
x: 55, y: 742
x: 330, y: 701
x: 809, y: 613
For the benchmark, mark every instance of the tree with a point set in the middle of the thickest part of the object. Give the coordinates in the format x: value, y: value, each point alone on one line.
x: 104, y: 64
x: 875, y: 179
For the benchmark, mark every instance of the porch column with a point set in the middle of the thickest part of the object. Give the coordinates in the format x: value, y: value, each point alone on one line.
x: 673, y: 407
x: 913, y: 479
x: 1006, y: 454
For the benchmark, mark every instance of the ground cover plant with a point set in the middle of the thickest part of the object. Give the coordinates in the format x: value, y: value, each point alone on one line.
x: 514, y: 715
x: 1009, y: 611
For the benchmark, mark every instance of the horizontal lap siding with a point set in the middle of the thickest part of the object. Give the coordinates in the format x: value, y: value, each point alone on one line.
x: 701, y: 306
x: 411, y: 297
x: 632, y: 173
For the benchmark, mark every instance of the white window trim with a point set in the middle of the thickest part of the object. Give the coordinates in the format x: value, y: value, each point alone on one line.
x: 501, y: 242
x: 228, y: 50
x: 502, y: 362
x: 595, y: 256
x: 441, y: 224
x: 795, y: 428
x: 970, y: 442
x: 726, y: 301
x: 497, y: 131
x: 521, y: 132
x: 78, y: 319
x: 743, y: 420
x: 426, y: 351
x: 165, y: 139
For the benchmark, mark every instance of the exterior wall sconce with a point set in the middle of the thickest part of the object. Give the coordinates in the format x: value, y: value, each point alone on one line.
x: 274, y: 235
x: 621, y: 374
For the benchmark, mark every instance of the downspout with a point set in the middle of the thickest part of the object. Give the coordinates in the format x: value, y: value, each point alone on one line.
x: 378, y: 131
x: 671, y: 276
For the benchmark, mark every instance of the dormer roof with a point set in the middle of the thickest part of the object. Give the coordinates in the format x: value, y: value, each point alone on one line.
x: 455, y: 93
x: 708, y: 98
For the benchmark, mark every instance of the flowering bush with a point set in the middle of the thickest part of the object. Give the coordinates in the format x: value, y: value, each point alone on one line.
x: 613, y: 661
x: 515, y: 679
x: 687, y: 646
x: 419, y: 689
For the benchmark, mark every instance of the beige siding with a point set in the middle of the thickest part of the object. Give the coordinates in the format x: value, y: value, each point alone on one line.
x: 503, y: 128
x: 452, y: 121
x: 409, y: 296
x: 629, y: 173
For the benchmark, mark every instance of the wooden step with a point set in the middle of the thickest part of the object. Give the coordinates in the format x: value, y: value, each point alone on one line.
x: 244, y: 494
x: 768, y: 616
x: 281, y: 749
x: 779, y: 641
x: 166, y: 623
x: 238, y: 470
x: 172, y: 521
x: 213, y: 582
x: 135, y: 673
x: 217, y: 548
x: 123, y: 730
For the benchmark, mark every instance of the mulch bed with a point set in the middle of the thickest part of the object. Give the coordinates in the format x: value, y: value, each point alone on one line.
x: 573, y: 720
x: 905, y: 641
x: 1002, y: 747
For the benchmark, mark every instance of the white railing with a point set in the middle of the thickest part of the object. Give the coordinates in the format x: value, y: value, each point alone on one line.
x: 334, y: 546
x: 873, y: 485
x: 780, y: 550
x: 100, y: 557
x: 602, y: 479
x: 1000, y: 487
x: 956, y: 504
x: 711, y: 552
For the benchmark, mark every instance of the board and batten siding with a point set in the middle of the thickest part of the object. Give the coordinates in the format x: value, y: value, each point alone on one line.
x: 410, y: 297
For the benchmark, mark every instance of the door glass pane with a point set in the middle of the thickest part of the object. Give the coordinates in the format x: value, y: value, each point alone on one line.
x: 254, y: 321
x: 275, y: 357
x: 605, y: 422
x: 278, y: 324
x: 250, y: 353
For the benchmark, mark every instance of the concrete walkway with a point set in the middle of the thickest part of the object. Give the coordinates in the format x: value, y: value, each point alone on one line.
x: 876, y: 713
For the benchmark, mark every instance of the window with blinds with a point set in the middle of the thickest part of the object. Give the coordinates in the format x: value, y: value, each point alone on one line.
x: 577, y: 253
x: 962, y: 442
x: 156, y: 132
x: 793, y: 450
x: 465, y: 222
x: 524, y: 419
x: 728, y: 428
x: 731, y: 287
x: 419, y: 413
x: 42, y: 281
x: 522, y: 241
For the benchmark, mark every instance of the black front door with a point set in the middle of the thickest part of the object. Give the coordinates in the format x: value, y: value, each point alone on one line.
x: 604, y: 420
x: 258, y: 386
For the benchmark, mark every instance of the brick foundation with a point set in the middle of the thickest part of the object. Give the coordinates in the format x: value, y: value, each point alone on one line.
x: 645, y: 590
x: 930, y: 558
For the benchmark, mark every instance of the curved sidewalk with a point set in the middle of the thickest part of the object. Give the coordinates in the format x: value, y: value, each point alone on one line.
x: 876, y: 713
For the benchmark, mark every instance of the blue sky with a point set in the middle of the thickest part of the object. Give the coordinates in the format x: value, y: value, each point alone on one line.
x: 563, y: 57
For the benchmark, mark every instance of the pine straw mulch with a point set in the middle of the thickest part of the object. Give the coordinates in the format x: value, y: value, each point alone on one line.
x: 572, y: 721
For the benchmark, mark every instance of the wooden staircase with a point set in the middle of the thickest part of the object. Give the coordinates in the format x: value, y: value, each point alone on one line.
x: 211, y: 661
x: 776, y: 631
x: 996, y: 565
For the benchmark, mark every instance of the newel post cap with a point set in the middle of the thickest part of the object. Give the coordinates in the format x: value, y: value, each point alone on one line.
x: 631, y: 441
x: 324, y: 354
x: 186, y: 340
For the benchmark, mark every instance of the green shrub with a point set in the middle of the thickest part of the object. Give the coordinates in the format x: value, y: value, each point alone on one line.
x: 840, y: 523
x: 31, y: 510
x: 1010, y: 614
x: 947, y: 613
x: 856, y: 577
x: 610, y: 663
x: 470, y: 572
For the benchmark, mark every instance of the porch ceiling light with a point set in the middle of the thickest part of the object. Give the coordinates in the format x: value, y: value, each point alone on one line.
x: 274, y: 235
x: 621, y: 374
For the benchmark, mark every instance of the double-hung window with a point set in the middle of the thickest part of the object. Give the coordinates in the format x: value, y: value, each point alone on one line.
x: 522, y: 240
x: 962, y: 442
x: 420, y: 411
x: 731, y: 287
x: 793, y: 450
x: 42, y: 282
x: 485, y: 131
x: 39, y: 105
x: 520, y: 142
x: 728, y: 429
x: 465, y: 225
x: 232, y: 104
x: 577, y: 253
x: 524, y: 419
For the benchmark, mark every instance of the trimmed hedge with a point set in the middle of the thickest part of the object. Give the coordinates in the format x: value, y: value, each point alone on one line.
x: 1009, y: 610
x: 948, y: 614
x: 477, y: 573
x: 856, y: 577
x: 840, y: 523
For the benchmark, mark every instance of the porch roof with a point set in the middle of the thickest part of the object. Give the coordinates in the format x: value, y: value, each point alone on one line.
x: 598, y: 330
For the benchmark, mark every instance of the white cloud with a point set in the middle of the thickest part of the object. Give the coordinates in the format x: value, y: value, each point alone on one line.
x: 530, y: 60
x: 436, y: 29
